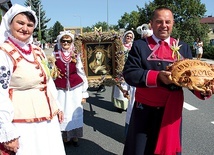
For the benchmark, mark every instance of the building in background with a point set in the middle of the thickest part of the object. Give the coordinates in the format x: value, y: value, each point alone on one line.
x: 74, y: 30
x: 210, y: 21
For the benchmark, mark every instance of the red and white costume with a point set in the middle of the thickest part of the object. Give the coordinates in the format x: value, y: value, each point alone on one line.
x: 28, y: 104
x: 72, y: 88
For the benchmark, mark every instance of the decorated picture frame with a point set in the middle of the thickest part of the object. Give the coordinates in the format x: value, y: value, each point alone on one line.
x: 102, y: 56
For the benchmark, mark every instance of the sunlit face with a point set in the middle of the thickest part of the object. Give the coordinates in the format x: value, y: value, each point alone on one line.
x: 21, y: 27
x: 162, y: 24
x: 128, y: 38
x: 99, y: 55
x: 65, y: 42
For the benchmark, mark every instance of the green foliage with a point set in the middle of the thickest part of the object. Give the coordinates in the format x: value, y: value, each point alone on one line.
x: 42, y: 20
x: 87, y: 29
x: 145, y: 14
x: 114, y: 27
x: 208, y: 52
x: 90, y: 29
x: 53, y: 32
x: 104, y: 26
x: 56, y: 29
x: 187, y: 16
x: 39, y: 35
x: 129, y: 21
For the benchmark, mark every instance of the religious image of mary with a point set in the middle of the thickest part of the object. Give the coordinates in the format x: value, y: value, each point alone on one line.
x: 97, y: 65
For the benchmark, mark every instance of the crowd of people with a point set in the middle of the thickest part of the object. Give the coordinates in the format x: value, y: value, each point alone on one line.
x: 39, y: 114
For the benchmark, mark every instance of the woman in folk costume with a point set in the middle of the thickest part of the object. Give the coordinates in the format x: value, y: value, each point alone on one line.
x: 28, y: 108
x: 72, y: 87
x: 121, y: 102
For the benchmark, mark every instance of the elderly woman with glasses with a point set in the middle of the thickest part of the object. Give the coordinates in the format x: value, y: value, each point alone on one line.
x: 121, y: 102
x: 72, y: 87
x: 29, y: 111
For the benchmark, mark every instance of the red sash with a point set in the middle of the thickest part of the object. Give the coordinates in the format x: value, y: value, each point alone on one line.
x: 168, y: 142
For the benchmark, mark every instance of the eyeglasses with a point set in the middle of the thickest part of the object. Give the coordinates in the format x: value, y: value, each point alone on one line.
x: 128, y: 36
x: 68, y: 41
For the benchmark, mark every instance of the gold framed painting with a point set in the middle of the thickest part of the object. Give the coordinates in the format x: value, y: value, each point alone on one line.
x: 102, y: 56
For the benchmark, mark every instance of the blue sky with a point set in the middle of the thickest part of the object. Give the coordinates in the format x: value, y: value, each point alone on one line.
x: 75, y: 13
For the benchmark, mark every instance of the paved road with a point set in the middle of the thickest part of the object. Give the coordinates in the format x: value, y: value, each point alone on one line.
x: 104, y: 126
x: 48, y: 51
x: 198, y: 125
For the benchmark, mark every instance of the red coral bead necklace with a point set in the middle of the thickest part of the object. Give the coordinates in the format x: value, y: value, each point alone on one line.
x: 65, y: 58
x: 27, y: 52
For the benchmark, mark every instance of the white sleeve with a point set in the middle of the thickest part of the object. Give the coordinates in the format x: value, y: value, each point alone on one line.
x: 52, y: 88
x: 7, y: 129
x: 81, y: 73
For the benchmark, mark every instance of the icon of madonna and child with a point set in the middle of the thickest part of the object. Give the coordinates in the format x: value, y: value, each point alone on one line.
x: 99, y: 61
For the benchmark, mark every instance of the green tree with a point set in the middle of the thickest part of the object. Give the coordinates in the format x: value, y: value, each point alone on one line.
x: 104, y: 26
x: 86, y: 29
x: 56, y: 29
x: 49, y: 34
x: 187, y: 18
x: 114, y: 27
x: 129, y: 21
x: 40, y: 30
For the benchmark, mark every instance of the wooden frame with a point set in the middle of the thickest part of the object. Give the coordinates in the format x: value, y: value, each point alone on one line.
x: 107, y: 44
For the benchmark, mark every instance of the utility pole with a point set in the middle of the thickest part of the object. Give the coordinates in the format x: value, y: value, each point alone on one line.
x: 39, y: 24
x: 107, y: 17
x: 39, y: 19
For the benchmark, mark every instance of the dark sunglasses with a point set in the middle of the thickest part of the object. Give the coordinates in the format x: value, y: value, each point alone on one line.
x: 68, y: 41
